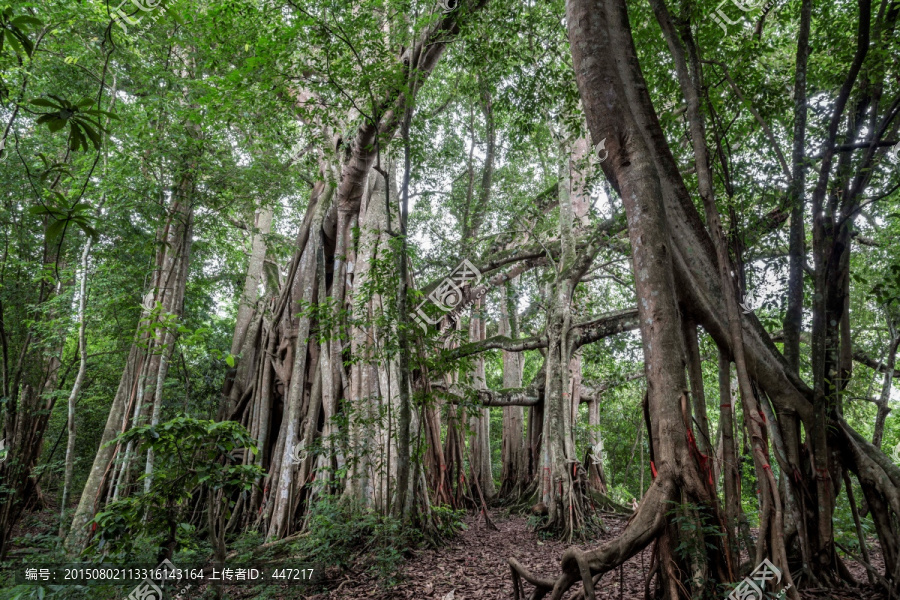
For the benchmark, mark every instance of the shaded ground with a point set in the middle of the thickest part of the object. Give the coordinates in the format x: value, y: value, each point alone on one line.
x: 473, y: 567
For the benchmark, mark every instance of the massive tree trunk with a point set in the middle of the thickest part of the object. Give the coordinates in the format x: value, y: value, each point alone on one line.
x: 562, y: 478
x: 291, y: 396
x: 642, y: 169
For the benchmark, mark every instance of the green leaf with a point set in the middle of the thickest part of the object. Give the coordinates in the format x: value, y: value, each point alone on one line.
x: 93, y: 135
x: 55, y: 229
x: 43, y: 102
x: 96, y: 112
x: 89, y: 231
x: 230, y: 360
x: 25, y: 21
x: 56, y: 124
x: 76, y: 138
x: 16, y: 44
x: 40, y: 210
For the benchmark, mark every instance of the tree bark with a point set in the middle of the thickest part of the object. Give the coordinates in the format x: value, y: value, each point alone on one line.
x: 513, y: 475
x: 76, y: 387
x: 884, y: 407
x: 163, y: 302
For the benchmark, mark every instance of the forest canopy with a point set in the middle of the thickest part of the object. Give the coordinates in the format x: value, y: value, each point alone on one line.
x: 334, y: 281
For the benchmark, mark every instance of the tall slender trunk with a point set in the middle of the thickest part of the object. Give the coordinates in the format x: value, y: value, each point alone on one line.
x: 512, y: 452
x: 698, y: 396
x: 597, y: 474
x: 480, y: 441
x: 730, y: 475
x: 76, y: 387
x: 884, y: 407
x: 793, y: 319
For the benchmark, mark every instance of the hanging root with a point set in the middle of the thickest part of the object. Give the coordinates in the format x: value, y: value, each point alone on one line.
x: 587, y: 566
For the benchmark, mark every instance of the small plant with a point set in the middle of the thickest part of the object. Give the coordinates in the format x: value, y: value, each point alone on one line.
x: 342, y: 534
x: 696, y: 537
x: 188, y: 453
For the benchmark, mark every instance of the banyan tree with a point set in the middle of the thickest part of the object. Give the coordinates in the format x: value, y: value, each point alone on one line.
x: 508, y: 212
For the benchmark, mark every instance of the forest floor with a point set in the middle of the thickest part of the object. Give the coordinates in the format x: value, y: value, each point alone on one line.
x: 473, y: 566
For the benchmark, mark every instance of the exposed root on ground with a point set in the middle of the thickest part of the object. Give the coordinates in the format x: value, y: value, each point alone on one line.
x: 588, y: 566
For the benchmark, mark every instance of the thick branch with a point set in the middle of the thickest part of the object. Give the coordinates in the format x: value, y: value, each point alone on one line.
x: 584, y: 333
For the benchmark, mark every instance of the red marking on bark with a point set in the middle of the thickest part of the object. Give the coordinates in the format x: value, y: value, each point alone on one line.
x: 653, y: 469
x: 705, y: 462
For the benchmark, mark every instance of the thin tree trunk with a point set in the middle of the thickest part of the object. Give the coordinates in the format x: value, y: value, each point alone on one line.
x: 793, y: 319
x: 884, y: 407
x: 76, y: 387
x: 695, y: 372
x: 512, y: 454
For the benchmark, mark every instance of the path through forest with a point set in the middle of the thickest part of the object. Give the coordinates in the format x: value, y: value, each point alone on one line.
x: 473, y: 567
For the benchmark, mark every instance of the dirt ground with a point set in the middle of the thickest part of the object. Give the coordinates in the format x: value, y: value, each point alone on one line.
x: 473, y: 567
